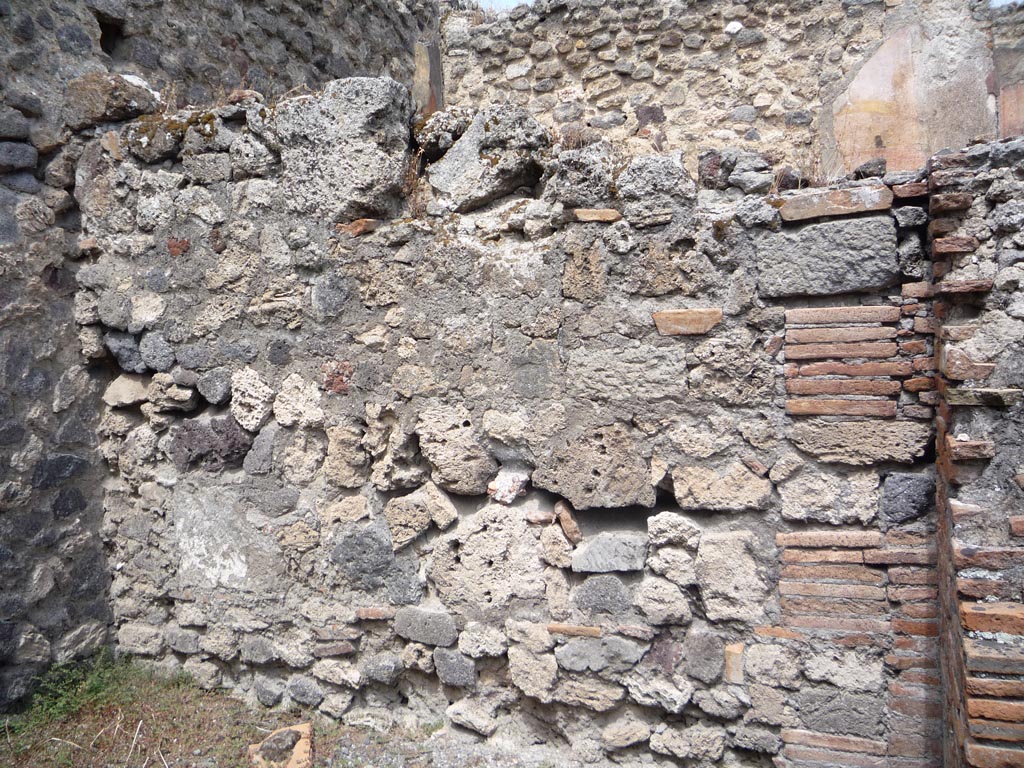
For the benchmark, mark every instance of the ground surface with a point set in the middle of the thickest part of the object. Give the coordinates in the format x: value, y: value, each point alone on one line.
x: 118, y: 714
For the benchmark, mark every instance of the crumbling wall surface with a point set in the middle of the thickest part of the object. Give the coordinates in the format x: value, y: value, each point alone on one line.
x: 977, y: 248
x: 56, y: 95
x: 824, y: 86
x: 550, y: 442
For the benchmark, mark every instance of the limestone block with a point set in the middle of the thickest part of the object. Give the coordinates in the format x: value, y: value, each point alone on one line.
x: 126, y: 390
x: 252, y: 399
x: 410, y: 515
x: 478, y: 641
x: 667, y: 528
x: 827, y: 497
x: 841, y: 256
x: 849, y: 670
x: 589, y: 692
x: 459, y: 461
x: 298, y: 403
x: 534, y: 674
x: 662, y: 602
x: 862, y: 442
x: 737, y: 489
x: 698, y: 742
x: 346, y: 465
x: 772, y: 665
x: 611, y: 551
x: 730, y: 580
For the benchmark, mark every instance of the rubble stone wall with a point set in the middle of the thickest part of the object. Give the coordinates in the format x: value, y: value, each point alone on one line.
x: 554, y: 444
x: 53, y: 600
x: 823, y: 86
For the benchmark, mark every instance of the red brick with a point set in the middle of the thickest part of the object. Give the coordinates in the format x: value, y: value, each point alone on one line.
x: 954, y: 245
x: 358, y: 227
x: 928, y: 646
x: 925, y: 364
x: 604, y: 215
x: 375, y: 613
x: 574, y: 630
x: 841, y: 387
x: 912, y: 576
x: 993, y: 617
x: 858, y: 591
x: 942, y: 226
x: 922, y: 692
x: 829, y: 539
x: 924, y: 325
x: 901, y: 555
x: 832, y: 741
x: 915, y: 707
x: 900, y: 661
x: 989, y: 656
x: 1017, y: 525
x: 839, y: 624
x: 855, y: 573
x: 835, y: 202
x: 911, y: 594
x: 826, y: 335
x: 980, y: 589
x: 921, y: 676
x: 983, y: 686
x: 686, y: 322
x: 780, y: 633
x: 841, y: 407
x: 867, y: 349
x: 900, y: 538
x: 919, y: 384
x: 913, y: 189
x: 984, y: 756
x: 916, y: 411
x: 914, y: 347
x: 969, y: 450
x: 824, y: 315
x: 916, y: 627
x: 991, y: 558
x: 822, y: 556
x: 912, y: 745
x: 790, y: 370
x: 949, y: 202
x: 957, y: 364
x: 963, y: 286
x: 922, y: 290
x: 814, y: 756
x: 898, y: 368
x: 996, y: 709
x: 919, y: 610
x: 995, y: 730
x: 821, y: 606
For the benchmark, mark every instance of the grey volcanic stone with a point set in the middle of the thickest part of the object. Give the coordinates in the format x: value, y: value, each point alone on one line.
x: 383, y: 668
x: 609, y: 552
x: 156, y: 352
x: 907, y: 496
x: 14, y: 156
x: 454, y: 668
x: 125, y: 349
x: 830, y: 257
x: 493, y: 158
x: 56, y: 469
x: 305, y: 690
x: 703, y: 656
x: 425, y: 626
x: 603, y: 594
x: 268, y: 690
x: 215, y: 385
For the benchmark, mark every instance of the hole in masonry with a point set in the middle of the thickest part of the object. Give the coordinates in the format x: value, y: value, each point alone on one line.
x: 111, y: 34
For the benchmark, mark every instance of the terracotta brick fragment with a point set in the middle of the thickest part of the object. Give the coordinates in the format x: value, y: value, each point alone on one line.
x: 968, y: 450
x: 942, y: 226
x: 790, y: 370
x: 900, y: 368
x: 985, y: 756
x: 829, y: 539
x: 898, y: 538
x: 918, y: 290
x: 980, y: 589
x: 900, y: 555
x: 925, y: 678
x: 949, y: 202
x: 909, y: 745
x: 913, y: 189
x: 567, y: 520
x: 780, y: 633
x: 825, y: 315
x: 733, y: 663
x: 841, y: 387
x: 900, y: 661
x: 924, y: 628
x: 919, y: 384
x: 574, y: 630
x: 687, y: 322
x: 841, y: 407
x: 912, y: 576
x: 993, y: 617
x: 856, y: 573
x: 831, y: 590
x: 822, y: 556
x: 940, y: 268
x: 913, y: 347
x: 989, y: 656
x: 839, y: 624
x: 823, y: 606
x: 1017, y: 525
x: 949, y: 178
x: 375, y: 613
x: 994, y: 687
x: 924, y: 325
x: 948, y: 160
x: 919, y: 611
x: 995, y: 730
x: 853, y: 350
x: 358, y: 227
x: 922, y: 692
x: 925, y: 364
x: 957, y: 332
x: 836, y: 202
x: 606, y: 215
x: 909, y: 594
x: 954, y: 245
x: 996, y: 709
x: 957, y: 364
x: 832, y: 741
x: 823, y: 335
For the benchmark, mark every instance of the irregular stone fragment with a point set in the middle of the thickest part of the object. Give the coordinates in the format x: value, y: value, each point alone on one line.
x: 409, y: 516
x: 698, y: 742
x: 366, y: 560
x: 347, y: 465
x: 100, y: 97
x: 649, y: 689
x: 601, y: 468
x: 460, y: 463
x: 849, y: 670
x: 827, y: 497
x: 496, y: 155
x: 832, y: 710
x: 656, y: 189
x: 298, y: 403
x: 700, y: 487
x: 426, y: 626
x: 454, y: 669
x: 703, y: 654
x: 625, y: 731
x: 252, y: 399
x: 906, y: 497
x: 772, y: 665
x: 556, y: 550
x: 863, y: 442
x: 667, y: 528
x: 609, y: 551
x: 534, y: 674
x: 603, y: 594
x: 477, y: 715
x: 686, y: 322
x: 126, y: 390
x: 509, y: 485
x: 835, y: 202
x: 662, y: 602
x: 606, y: 654
x: 478, y: 641
x: 730, y: 580
x: 384, y: 668
x: 841, y: 256
x: 588, y: 692
x: 675, y: 564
